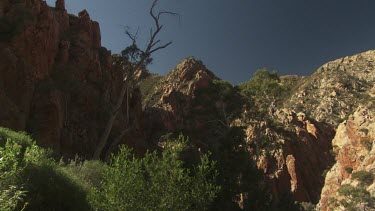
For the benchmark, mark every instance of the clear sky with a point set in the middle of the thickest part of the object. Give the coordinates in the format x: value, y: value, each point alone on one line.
x: 234, y: 38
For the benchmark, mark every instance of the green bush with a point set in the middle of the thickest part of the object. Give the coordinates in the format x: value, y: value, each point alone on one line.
x: 11, y: 190
x: 355, y: 198
x: 367, y: 143
x: 348, y: 169
x: 263, y: 82
x: 17, y: 153
x: 89, y: 172
x: 364, y: 177
x: 221, y: 103
x: 155, y: 182
x: 263, y: 90
x: 31, y: 179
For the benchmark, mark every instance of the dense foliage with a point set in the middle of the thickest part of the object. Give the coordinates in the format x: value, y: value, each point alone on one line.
x: 31, y: 180
x: 156, y: 182
x: 263, y: 90
x: 356, y: 197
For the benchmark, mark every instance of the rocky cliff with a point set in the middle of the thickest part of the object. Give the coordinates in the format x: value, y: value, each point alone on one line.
x: 291, y: 149
x: 176, y: 103
x: 57, y: 81
x: 59, y: 84
x: 334, y: 91
x: 293, y: 152
x: 353, y: 146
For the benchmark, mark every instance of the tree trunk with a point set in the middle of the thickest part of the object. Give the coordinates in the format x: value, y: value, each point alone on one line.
x: 127, y: 104
x: 117, y: 141
x: 103, y: 139
x: 145, y: 55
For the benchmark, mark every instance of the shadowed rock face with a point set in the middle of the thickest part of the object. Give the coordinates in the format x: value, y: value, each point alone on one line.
x: 57, y: 82
x: 292, y: 151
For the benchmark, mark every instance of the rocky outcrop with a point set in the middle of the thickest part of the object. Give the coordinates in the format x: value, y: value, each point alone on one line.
x: 57, y: 81
x: 170, y: 104
x: 355, y: 152
x: 292, y: 143
x: 293, y: 152
x: 336, y: 89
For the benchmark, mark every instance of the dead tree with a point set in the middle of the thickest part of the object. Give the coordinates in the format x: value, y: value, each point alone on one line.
x: 140, y: 58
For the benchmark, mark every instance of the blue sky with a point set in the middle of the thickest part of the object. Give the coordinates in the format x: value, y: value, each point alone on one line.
x: 234, y: 38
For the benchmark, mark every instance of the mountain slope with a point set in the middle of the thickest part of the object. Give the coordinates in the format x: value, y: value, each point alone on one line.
x: 271, y: 137
x: 336, y: 88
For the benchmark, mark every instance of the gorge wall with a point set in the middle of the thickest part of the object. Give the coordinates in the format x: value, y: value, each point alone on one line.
x: 353, y: 146
x: 57, y: 81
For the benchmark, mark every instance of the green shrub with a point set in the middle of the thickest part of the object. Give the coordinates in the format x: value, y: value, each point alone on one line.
x: 367, y: 143
x: 221, y: 104
x: 31, y: 179
x: 17, y: 152
x: 155, y: 183
x: 356, y: 198
x: 364, y: 177
x: 89, y: 172
x: 51, y: 187
x: 11, y: 190
x: 348, y: 169
x: 11, y: 197
x: 263, y: 89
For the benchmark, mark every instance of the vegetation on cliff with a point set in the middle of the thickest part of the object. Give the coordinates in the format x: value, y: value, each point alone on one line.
x: 355, y: 197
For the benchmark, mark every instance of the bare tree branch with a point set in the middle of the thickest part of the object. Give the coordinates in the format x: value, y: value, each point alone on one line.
x: 140, y: 59
x: 133, y: 37
x: 160, y: 47
x: 167, y: 13
x: 155, y: 43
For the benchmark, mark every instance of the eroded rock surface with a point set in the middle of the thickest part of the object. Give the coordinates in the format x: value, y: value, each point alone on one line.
x: 293, y: 152
x: 337, y: 88
x: 353, y: 146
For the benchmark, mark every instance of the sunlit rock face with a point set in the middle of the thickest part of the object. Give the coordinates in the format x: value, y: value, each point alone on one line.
x: 353, y: 146
x: 171, y: 104
x: 293, y: 152
x: 300, y: 130
x: 335, y: 90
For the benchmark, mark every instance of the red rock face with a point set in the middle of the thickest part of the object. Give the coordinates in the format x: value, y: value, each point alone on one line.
x: 296, y: 157
x: 57, y: 82
x: 60, y: 5
x: 354, y: 148
x: 175, y: 101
